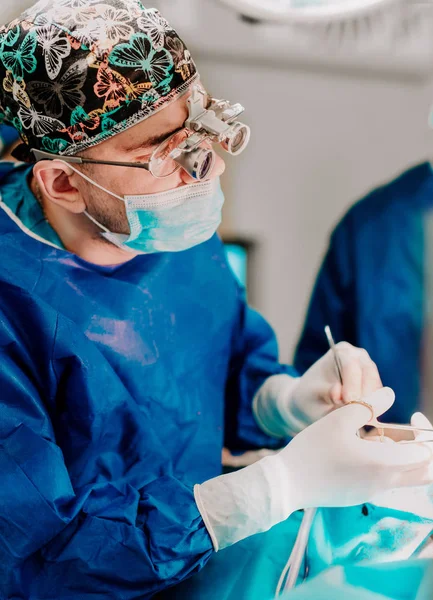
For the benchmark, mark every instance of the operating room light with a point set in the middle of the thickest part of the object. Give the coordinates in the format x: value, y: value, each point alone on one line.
x: 306, y: 10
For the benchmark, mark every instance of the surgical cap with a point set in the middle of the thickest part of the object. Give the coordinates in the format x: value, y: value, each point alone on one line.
x: 73, y: 73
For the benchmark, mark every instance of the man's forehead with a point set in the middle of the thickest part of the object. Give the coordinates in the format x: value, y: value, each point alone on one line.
x: 162, y: 124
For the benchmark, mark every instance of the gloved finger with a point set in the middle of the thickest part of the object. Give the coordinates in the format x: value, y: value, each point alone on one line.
x: 371, y: 380
x: 351, y: 372
x: 335, y: 395
x: 355, y: 359
x: 380, y: 400
x: 421, y: 421
x: 351, y: 418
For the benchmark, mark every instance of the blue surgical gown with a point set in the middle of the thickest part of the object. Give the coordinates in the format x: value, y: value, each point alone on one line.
x: 8, y: 136
x: 371, y: 287
x: 118, y: 387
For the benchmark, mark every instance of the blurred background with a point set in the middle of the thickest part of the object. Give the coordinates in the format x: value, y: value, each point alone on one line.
x: 335, y: 110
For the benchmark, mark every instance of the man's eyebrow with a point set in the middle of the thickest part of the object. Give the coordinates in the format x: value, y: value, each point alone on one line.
x: 150, y: 142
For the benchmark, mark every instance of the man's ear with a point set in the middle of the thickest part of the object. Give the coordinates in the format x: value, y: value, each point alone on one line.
x: 55, y: 181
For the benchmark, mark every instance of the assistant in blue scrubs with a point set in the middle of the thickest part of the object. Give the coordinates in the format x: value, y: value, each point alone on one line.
x: 371, y: 288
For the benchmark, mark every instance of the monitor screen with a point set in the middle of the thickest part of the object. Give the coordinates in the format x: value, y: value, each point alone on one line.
x: 237, y: 256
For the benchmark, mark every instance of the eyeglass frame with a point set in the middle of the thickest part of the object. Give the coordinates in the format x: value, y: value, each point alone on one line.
x: 209, y: 118
x: 42, y: 155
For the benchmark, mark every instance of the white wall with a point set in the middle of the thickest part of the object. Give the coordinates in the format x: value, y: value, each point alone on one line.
x: 11, y: 9
x: 320, y: 141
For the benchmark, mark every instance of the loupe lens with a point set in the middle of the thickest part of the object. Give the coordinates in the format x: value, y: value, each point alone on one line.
x: 237, y: 140
x: 198, y: 163
x: 206, y: 166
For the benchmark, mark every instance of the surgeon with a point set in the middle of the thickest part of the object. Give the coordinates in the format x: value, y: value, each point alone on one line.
x: 128, y: 353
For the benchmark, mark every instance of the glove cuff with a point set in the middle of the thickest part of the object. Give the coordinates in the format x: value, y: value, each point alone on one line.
x: 252, y: 500
x: 271, y: 407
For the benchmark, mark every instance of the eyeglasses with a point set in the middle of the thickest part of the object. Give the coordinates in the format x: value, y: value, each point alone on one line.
x: 210, y: 121
x: 162, y: 163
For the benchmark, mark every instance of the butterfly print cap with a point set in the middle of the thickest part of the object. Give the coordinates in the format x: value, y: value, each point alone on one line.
x: 73, y: 73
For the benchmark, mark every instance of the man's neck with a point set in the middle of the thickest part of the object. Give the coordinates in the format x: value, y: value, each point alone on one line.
x: 79, y: 235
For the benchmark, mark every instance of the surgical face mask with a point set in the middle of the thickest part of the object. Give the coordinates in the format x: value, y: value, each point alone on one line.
x: 169, y: 221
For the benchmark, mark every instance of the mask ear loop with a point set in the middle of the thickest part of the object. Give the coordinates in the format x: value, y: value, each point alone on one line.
x: 101, y: 187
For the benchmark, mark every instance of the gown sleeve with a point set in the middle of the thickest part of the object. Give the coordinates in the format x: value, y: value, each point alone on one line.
x: 254, y: 359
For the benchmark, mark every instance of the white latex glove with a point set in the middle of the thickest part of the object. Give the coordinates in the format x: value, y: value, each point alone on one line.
x: 395, y: 435
x: 284, y: 405
x: 327, y: 464
x: 417, y: 500
x: 421, y: 421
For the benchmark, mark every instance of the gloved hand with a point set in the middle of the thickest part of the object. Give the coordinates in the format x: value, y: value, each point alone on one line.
x: 327, y: 464
x: 285, y: 405
x: 396, y: 435
x: 421, y: 421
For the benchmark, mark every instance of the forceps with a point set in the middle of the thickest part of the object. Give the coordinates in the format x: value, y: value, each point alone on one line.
x: 381, y: 427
